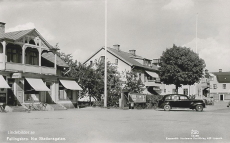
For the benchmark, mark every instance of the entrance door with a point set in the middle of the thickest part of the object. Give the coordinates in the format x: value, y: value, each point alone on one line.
x: 221, y: 97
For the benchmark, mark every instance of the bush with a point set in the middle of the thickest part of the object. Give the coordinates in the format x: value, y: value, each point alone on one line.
x: 98, y: 103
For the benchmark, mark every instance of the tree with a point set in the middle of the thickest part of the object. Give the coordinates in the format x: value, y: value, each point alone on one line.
x: 133, y: 83
x: 91, y: 78
x: 180, y: 66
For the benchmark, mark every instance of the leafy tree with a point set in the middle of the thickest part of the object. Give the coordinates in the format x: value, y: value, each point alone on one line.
x: 133, y: 83
x: 180, y: 66
x: 91, y: 78
x: 113, y: 81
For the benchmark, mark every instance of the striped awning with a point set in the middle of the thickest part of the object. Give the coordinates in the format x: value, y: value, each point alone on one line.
x: 70, y: 84
x: 37, y: 84
x: 3, y: 83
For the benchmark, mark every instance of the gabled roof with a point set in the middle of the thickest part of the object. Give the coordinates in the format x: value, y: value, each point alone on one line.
x: 222, y: 77
x: 50, y: 57
x: 126, y: 57
x: 16, y: 35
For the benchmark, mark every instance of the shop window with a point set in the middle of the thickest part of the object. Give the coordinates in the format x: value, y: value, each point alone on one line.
x: 70, y: 94
x: 224, y: 86
x: 62, y: 95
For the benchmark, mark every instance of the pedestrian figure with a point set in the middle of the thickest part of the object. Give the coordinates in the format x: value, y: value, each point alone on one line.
x: 2, y: 107
x: 228, y: 104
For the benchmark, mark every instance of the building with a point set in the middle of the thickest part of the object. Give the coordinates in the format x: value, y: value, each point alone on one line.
x: 130, y: 61
x: 220, y: 85
x: 31, y: 72
x: 147, y: 70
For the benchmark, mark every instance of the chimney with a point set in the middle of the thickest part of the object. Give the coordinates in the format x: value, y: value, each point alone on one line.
x: 220, y: 70
x: 117, y: 47
x: 2, y: 28
x: 133, y: 52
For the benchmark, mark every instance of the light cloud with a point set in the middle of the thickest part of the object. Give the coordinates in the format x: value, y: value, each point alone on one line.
x: 179, y: 4
x: 214, y: 53
x: 30, y: 25
x: 81, y: 55
x: 26, y: 26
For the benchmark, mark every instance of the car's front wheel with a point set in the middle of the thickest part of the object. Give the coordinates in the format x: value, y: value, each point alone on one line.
x: 167, y: 107
x: 199, y: 108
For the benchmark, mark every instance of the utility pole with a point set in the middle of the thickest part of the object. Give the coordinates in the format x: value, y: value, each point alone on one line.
x: 105, y: 82
x: 196, y: 31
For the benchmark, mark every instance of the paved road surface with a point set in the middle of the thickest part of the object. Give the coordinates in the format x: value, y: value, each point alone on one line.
x: 99, y: 125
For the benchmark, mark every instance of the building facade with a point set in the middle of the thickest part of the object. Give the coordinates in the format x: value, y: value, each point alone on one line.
x: 31, y: 72
x: 220, y: 85
x: 130, y: 61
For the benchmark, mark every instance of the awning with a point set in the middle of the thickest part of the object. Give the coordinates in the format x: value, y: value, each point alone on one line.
x: 70, y: 84
x: 152, y: 74
x: 37, y: 84
x: 3, y: 83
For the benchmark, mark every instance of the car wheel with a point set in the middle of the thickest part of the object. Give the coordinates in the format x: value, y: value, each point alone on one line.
x: 167, y: 107
x: 199, y: 108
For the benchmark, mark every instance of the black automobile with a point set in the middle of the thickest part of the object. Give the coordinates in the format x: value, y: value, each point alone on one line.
x: 180, y: 101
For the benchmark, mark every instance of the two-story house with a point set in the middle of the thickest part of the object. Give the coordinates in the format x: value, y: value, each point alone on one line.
x: 220, y: 85
x: 130, y: 61
x: 30, y: 71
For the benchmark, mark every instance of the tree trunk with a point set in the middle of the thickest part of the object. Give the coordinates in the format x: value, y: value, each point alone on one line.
x: 177, y: 89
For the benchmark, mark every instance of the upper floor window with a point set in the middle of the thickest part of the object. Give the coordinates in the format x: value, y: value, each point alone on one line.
x: 102, y: 58
x: 214, y: 86
x: 224, y: 86
x: 116, y: 61
x: 31, y: 56
x: 14, y: 54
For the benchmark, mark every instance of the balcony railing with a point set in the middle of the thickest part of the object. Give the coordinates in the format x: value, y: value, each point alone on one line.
x: 30, y: 68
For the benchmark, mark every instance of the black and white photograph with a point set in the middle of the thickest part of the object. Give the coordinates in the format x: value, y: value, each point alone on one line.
x: 114, y: 71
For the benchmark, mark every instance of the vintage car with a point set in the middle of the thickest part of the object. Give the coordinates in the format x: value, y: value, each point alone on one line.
x: 180, y: 101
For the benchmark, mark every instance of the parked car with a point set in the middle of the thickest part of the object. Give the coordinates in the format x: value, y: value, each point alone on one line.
x: 180, y: 101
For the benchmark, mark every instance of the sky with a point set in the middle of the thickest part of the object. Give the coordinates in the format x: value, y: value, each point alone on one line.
x: 147, y: 26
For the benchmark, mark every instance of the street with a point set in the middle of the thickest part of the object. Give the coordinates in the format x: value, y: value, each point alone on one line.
x: 101, y: 125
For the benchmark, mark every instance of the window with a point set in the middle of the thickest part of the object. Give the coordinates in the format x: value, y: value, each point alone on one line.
x: 102, y: 58
x: 185, y: 91
x: 173, y: 91
x: 224, y: 86
x: 175, y: 97
x: 183, y: 98
x: 116, y: 61
x: 168, y: 98
x: 214, y: 86
x: 31, y: 56
x: 91, y: 63
x: 62, y: 95
x: 14, y: 55
x: 164, y: 90
x: 70, y: 94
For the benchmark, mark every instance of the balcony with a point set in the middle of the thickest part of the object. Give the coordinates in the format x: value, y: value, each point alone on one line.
x: 152, y: 83
x: 29, y: 68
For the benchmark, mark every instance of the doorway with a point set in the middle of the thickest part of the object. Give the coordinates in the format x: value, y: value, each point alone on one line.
x: 221, y: 97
